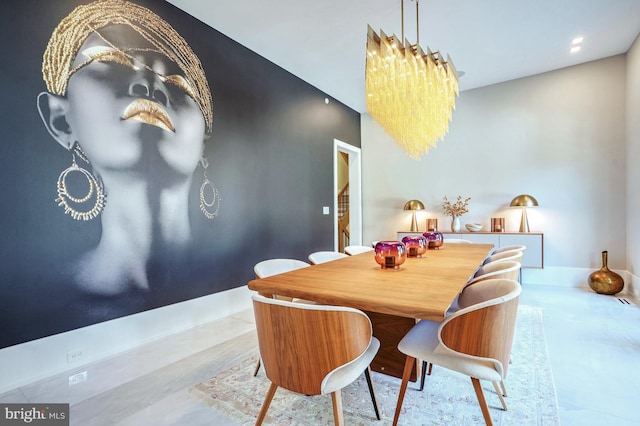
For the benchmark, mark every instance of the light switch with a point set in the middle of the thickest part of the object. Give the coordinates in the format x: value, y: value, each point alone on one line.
x: 325, y: 210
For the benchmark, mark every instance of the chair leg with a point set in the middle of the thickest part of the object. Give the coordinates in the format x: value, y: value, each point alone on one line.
x: 265, y: 405
x: 426, y: 371
x: 408, y: 366
x: 477, y: 386
x: 504, y: 388
x: 336, y: 399
x: 499, y: 392
x: 255, y: 372
x: 367, y: 375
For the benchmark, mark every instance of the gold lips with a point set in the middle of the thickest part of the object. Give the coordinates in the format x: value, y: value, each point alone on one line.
x: 149, y: 112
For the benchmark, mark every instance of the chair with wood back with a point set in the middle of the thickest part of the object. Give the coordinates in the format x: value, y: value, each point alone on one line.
x: 475, y: 341
x: 313, y: 349
x: 508, y: 248
x: 514, y: 255
x: 269, y: 267
x: 492, y: 269
x: 495, y: 270
x: 511, y: 248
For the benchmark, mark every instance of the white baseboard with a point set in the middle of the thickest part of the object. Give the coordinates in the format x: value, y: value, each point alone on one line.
x: 632, y: 285
x: 556, y: 276
x: 575, y: 277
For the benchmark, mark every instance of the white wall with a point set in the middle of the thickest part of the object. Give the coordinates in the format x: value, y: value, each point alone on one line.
x: 559, y: 136
x: 633, y: 155
x: 31, y: 361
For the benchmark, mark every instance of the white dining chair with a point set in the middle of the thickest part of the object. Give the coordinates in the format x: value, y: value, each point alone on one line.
x: 508, y: 248
x: 356, y: 249
x: 509, y: 255
x: 456, y: 241
x: 503, y: 270
x: 506, y: 270
x: 325, y: 256
x: 269, y: 267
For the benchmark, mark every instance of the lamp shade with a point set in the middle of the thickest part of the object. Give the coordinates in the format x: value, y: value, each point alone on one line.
x: 524, y: 200
x: 413, y: 205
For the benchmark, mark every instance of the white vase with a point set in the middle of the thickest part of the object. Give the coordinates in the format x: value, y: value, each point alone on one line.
x: 455, y: 224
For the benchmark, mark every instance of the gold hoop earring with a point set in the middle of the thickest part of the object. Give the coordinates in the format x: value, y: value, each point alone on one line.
x: 72, y: 203
x: 208, y: 208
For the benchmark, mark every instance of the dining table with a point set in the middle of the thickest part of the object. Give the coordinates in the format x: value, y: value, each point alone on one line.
x: 421, y: 288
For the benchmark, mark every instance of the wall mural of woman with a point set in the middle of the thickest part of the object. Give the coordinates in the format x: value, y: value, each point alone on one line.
x: 128, y: 103
x: 129, y: 100
x: 114, y: 169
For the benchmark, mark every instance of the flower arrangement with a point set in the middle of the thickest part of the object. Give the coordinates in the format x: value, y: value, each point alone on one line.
x: 456, y: 209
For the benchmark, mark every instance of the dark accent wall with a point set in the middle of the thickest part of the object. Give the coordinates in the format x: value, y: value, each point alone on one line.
x: 270, y: 157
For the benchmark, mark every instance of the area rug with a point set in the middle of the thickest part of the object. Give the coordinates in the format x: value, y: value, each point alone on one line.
x: 447, y: 399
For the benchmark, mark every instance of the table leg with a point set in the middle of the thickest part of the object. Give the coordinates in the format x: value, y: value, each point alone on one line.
x: 390, y: 329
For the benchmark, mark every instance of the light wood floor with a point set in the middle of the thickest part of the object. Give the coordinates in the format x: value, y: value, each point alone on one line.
x: 593, y: 343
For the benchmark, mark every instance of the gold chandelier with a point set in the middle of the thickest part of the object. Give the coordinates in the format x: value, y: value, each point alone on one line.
x: 410, y: 93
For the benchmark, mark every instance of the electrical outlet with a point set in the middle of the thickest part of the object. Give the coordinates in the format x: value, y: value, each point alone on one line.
x: 77, y: 378
x: 75, y: 356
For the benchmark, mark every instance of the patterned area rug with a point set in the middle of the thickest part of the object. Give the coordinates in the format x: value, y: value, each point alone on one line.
x: 447, y: 399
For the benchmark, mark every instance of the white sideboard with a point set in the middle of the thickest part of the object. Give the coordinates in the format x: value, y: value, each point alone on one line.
x: 533, y: 255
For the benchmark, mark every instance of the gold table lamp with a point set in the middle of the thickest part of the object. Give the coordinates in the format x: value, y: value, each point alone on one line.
x: 414, y: 205
x: 524, y: 201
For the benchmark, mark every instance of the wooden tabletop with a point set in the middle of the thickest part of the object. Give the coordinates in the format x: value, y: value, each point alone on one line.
x: 421, y: 288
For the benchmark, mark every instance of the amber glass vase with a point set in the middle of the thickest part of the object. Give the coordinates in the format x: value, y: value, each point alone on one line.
x: 416, y: 245
x: 390, y: 254
x: 604, y: 281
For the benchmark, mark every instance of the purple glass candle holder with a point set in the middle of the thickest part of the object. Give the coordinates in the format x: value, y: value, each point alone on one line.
x: 390, y: 254
x: 434, y: 239
x: 416, y: 245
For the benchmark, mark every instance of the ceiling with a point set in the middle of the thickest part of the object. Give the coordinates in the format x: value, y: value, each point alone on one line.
x: 323, y: 41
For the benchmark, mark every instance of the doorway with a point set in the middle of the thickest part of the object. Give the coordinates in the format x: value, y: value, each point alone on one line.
x: 347, y: 195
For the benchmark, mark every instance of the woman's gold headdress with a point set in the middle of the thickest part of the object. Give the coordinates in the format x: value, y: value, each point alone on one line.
x: 74, y: 29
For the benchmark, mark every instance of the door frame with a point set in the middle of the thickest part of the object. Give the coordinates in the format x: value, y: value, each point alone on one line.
x: 355, y: 192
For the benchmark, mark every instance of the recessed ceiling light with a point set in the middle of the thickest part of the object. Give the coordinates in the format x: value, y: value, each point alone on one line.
x: 577, y: 40
x: 574, y: 49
